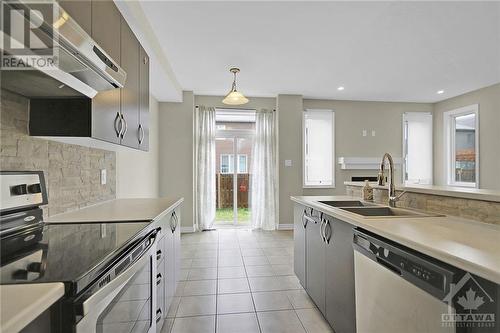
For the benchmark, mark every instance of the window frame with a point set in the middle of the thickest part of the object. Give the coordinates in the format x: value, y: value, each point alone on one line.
x: 228, y: 164
x: 304, y: 185
x: 246, y: 164
x: 449, y: 141
x: 404, y: 160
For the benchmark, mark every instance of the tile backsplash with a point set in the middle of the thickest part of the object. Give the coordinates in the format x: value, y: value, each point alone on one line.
x: 72, y: 172
x: 479, y: 210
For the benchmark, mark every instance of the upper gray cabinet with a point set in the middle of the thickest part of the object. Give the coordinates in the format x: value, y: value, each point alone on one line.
x: 143, y: 129
x: 130, y: 94
x: 119, y: 116
x: 81, y: 11
x: 106, y: 31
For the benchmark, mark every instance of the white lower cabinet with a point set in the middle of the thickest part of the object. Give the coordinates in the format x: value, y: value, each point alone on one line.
x: 169, y: 263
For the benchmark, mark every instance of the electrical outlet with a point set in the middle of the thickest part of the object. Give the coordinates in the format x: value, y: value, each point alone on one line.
x: 373, y: 132
x: 103, y: 176
x: 288, y: 163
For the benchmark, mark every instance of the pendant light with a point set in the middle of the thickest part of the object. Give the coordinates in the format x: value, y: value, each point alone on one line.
x: 234, y: 97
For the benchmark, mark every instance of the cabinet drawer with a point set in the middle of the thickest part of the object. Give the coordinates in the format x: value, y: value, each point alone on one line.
x: 160, y: 296
x: 160, y: 250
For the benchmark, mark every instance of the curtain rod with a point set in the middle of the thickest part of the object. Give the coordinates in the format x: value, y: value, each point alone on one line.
x: 223, y: 107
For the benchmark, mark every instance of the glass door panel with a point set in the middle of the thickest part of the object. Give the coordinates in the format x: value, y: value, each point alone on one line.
x: 243, y: 162
x: 224, y: 168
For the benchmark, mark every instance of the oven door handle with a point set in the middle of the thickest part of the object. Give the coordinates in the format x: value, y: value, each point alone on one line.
x: 93, y: 306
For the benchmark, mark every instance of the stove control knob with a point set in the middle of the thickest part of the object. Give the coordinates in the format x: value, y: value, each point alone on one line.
x: 34, y: 267
x: 20, y: 274
x: 20, y: 189
x: 34, y: 188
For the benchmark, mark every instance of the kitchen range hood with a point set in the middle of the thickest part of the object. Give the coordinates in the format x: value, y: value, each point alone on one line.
x: 83, y: 68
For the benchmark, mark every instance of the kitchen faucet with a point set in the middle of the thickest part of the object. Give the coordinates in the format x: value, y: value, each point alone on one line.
x: 393, y: 198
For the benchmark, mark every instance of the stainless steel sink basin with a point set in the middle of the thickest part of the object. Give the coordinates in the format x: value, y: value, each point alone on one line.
x: 384, y: 212
x: 347, y: 203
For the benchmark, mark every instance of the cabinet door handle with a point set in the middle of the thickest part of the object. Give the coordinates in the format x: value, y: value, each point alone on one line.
x: 172, y: 220
x: 118, y: 122
x: 158, y: 255
x: 158, y: 279
x: 328, y: 235
x: 176, y: 221
x: 158, y: 315
x: 125, y: 127
x: 321, y: 232
x: 141, y: 134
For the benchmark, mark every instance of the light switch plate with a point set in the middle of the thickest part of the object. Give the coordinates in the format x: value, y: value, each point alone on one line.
x: 373, y: 132
x: 364, y: 133
x: 288, y: 163
x: 103, y: 176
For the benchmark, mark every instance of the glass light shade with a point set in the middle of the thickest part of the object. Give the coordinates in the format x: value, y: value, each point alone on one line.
x: 235, y: 98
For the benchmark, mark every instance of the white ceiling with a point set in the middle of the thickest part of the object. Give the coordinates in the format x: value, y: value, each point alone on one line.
x: 381, y: 51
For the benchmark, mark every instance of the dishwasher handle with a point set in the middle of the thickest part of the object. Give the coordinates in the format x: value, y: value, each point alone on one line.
x: 389, y: 266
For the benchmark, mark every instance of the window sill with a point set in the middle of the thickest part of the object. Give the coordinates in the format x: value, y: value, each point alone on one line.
x: 319, y: 186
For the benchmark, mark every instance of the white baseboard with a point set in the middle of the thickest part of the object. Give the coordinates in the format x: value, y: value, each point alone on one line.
x: 187, y: 229
x: 285, y: 226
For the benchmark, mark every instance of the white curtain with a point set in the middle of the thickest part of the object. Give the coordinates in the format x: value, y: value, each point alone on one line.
x: 205, y: 167
x: 263, y: 171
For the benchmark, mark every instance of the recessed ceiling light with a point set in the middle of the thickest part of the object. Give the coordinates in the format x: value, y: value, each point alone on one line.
x: 440, y: 92
x: 340, y: 88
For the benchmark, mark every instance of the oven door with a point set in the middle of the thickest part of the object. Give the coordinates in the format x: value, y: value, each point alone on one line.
x: 127, y: 302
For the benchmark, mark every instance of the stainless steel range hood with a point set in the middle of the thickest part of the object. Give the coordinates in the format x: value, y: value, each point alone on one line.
x: 83, y: 67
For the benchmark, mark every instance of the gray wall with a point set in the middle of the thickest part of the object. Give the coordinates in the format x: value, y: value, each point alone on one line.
x: 351, y: 117
x: 489, y: 134
x: 176, y: 153
x: 176, y: 141
x: 177, y: 146
x: 137, y: 171
x: 289, y: 108
x: 72, y: 172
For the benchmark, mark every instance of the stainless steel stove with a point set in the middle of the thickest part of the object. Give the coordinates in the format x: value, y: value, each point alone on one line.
x: 108, y: 269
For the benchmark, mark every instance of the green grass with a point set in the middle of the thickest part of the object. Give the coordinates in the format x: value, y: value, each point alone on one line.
x: 226, y: 215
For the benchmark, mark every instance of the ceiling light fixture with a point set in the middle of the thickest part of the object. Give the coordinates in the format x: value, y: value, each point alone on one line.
x: 234, y: 97
x: 340, y: 88
x: 440, y: 92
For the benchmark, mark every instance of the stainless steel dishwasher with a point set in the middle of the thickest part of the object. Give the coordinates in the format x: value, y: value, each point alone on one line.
x: 401, y: 290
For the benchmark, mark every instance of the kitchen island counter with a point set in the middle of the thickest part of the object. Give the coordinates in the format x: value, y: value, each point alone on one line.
x: 469, y: 245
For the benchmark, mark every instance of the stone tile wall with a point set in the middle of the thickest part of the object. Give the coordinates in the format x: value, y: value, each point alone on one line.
x: 484, y: 211
x: 72, y: 172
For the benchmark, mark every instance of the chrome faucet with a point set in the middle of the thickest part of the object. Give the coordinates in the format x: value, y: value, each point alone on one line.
x: 393, y: 198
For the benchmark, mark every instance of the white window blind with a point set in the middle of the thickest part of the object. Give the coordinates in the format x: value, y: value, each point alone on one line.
x: 318, y: 137
x: 417, y: 147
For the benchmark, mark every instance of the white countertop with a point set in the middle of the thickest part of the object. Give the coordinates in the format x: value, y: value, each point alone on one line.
x: 469, y: 245
x: 448, y: 191
x: 120, y: 210
x: 22, y: 303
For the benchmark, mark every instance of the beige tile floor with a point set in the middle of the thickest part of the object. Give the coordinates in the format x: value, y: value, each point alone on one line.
x: 241, y: 281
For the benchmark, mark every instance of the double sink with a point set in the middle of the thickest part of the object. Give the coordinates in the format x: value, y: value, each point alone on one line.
x: 371, y: 210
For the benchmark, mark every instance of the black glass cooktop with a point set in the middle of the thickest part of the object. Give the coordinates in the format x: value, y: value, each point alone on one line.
x: 75, y: 254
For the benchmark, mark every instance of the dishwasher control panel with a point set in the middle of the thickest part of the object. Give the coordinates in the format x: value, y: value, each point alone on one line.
x: 424, y: 271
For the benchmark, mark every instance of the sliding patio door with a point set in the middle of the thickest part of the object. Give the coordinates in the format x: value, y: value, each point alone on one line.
x: 233, y: 148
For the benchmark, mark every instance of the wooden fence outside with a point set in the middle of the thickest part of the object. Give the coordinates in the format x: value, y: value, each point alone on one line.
x: 224, y: 190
